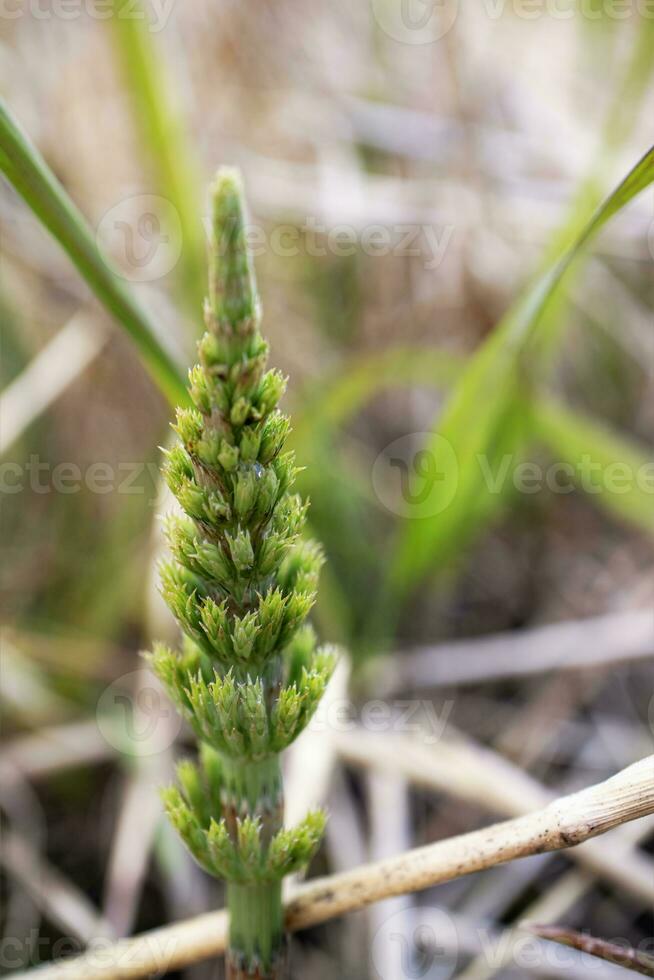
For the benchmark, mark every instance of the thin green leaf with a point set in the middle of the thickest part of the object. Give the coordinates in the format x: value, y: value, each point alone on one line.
x: 570, y: 436
x: 508, y: 433
x: 350, y: 387
x: 30, y: 175
x: 494, y: 382
x: 619, y: 122
x: 163, y: 136
x: 613, y: 470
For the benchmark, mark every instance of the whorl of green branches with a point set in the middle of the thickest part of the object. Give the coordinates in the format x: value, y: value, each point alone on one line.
x: 241, y: 583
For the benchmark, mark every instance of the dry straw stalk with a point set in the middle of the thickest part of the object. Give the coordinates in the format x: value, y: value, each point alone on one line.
x: 563, y: 823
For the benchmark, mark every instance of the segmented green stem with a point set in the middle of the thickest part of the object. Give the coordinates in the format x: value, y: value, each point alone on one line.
x: 256, y: 928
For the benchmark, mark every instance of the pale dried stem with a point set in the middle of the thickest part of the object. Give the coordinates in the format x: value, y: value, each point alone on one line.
x: 480, y: 776
x: 55, y: 748
x: 54, y: 894
x: 575, y: 645
x: 563, y: 823
x: 602, y: 949
x: 59, y: 364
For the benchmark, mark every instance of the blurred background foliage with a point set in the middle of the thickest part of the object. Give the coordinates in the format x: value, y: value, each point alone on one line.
x: 491, y: 146
x: 336, y: 125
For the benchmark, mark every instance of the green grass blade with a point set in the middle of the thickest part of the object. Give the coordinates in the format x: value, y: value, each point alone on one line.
x: 493, y: 383
x: 619, y: 122
x: 569, y: 435
x: 31, y: 177
x: 332, y: 402
x: 613, y: 470
x: 165, y: 141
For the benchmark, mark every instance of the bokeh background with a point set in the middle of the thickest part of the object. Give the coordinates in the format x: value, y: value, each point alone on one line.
x: 410, y: 167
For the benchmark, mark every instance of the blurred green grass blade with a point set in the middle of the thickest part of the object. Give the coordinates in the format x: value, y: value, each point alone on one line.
x: 334, y: 401
x: 636, y: 181
x: 493, y: 382
x: 163, y: 137
x: 340, y: 398
x: 625, y: 106
x: 514, y: 438
x: 619, y: 122
x: 339, y: 510
x: 613, y: 470
x: 628, y: 96
x: 31, y: 177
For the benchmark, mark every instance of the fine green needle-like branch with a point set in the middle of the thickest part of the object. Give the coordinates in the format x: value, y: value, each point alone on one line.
x: 241, y: 582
